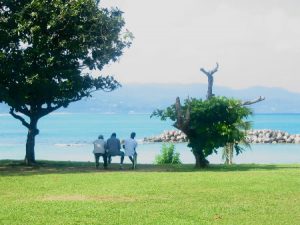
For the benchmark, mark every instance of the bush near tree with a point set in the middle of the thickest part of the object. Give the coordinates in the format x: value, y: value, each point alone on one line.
x: 168, y: 155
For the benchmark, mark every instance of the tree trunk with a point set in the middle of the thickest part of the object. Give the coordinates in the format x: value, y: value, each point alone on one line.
x: 200, y: 159
x: 210, y: 87
x: 210, y: 77
x: 231, y: 153
x: 32, y: 132
x: 225, y: 154
x: 228, y: 153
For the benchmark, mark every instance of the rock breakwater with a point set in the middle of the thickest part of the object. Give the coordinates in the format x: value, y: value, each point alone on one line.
x: 175, y: 136
x: 253, y: 136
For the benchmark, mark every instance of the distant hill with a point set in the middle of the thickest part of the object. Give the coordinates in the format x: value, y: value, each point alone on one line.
x: 144, y: 98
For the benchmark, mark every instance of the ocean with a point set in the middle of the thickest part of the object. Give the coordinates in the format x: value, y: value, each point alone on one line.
x: 69, y: 136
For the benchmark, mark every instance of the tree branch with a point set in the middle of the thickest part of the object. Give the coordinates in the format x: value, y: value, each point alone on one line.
x: 210, y: 73
x: 187, y: 118
x: 26, y: 124
x: 181, y: 123
x: 49, y: 109
x: 23, y: 110
x: 250, y: 102
x: 178, y: 113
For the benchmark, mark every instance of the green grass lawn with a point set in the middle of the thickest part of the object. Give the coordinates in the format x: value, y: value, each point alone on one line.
x: 76, y: 193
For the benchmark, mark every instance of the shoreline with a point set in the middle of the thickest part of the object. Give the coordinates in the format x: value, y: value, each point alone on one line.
x: 258, y: 153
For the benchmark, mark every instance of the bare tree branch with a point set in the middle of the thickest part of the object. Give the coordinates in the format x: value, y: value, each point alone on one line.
x: 210, y: 78
x: 26, y: 124
x: 187, y: 119
x: 179, y: 121
x: 182, y: 123
x: 210, y: 73
x: 250, y: 102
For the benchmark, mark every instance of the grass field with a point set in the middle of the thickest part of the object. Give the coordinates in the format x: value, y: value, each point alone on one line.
x: 76, y: 193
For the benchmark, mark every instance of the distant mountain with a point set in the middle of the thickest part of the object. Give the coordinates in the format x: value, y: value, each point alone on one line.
x: 144, y: 98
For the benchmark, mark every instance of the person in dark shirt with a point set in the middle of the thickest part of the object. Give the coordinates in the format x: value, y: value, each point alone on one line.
x: 113, y: 146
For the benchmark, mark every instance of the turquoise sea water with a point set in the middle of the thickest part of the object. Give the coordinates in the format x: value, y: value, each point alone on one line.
x: 69, y: 137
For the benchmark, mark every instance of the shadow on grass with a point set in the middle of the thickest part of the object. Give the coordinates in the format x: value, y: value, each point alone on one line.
x: 18, y: 168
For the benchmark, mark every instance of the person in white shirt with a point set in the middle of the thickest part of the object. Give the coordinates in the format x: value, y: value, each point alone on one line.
x: 100, y: 150
x: 130, y: 146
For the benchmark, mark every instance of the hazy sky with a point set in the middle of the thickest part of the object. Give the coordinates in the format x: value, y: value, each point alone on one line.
x: 256, y: 42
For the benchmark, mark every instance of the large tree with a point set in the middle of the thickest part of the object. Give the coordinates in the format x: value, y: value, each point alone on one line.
x: 244, y: 126
x: 212, y: 123
x: 47, y: 48
x: 209, y: 124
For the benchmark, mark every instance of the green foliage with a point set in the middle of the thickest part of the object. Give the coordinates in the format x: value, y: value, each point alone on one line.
x: 45, y: 45
x: 168, y: 155
x: 211, y: 124
x: 215, y: 122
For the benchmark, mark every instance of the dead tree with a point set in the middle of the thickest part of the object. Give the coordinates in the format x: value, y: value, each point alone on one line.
x: 183, y: 120
x: 210, y: 77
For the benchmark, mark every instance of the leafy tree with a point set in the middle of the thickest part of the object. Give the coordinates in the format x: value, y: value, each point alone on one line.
x: 212, y: 123
x: 47, y: 48
x: 209, y: 124
x: 228, y: 149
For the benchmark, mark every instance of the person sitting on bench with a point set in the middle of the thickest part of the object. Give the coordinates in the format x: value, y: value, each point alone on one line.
x: 99, y: 150
x: 113, y: 146
x: 130, y: 146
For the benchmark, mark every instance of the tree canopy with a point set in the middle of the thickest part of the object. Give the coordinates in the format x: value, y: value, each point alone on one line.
x: 47, y: 48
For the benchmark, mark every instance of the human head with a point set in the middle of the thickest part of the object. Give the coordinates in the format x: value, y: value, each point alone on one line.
x: 132, y: 135
x: 113, y: 135
x: 100, y: 137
